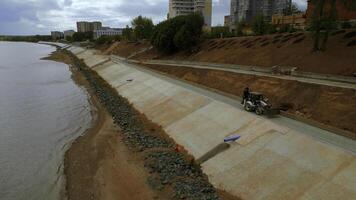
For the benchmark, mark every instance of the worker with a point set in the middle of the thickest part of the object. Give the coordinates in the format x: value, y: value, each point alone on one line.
x: 245, y: 94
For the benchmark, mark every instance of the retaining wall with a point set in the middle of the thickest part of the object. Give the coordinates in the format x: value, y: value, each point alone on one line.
x: 270, y: 161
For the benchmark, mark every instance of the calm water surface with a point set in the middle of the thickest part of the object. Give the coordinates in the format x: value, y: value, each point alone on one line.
x: 41, y: 112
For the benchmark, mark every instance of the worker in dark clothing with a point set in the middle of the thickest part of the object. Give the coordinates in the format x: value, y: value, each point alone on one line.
x: 245, y: 94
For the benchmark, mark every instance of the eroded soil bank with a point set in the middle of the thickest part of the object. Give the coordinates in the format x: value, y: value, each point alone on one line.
x: 288, y: 49
x: 126, y: 156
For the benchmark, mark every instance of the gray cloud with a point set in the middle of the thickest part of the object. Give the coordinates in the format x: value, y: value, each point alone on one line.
x: 42, y: 16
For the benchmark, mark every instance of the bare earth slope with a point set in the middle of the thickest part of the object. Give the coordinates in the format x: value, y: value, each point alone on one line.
x: 292, y: 50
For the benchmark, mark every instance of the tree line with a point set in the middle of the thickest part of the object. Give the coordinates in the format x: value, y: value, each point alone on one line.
x: 29, y: 38
x: 185, y: 32
x: 179, y: 33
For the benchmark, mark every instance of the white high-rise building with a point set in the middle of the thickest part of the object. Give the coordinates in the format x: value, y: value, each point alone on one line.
x: 185, y: 7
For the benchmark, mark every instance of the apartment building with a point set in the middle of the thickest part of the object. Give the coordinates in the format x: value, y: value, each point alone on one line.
x: 84, y: 26
x: 56, y: 35
x: 297, y: 20
x: 227, y: 20
x: 68, y: 33
x: 185, y: 7
x: 248, y: 9
x: 107, y: 32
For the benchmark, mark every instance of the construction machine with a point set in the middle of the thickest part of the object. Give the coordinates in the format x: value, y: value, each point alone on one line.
x: 256, y: 102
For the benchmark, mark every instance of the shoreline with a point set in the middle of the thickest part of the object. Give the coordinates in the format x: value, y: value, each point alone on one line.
x: 108, y: 162
x: 103, y: 133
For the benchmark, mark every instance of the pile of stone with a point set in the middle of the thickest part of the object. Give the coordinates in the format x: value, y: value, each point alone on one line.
x: 188, y: 181
x: 167, y: 166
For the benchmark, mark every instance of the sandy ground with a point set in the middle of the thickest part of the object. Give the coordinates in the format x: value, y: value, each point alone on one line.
x: 99, y: 165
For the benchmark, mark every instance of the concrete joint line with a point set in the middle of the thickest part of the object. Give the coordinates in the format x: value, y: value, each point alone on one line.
x: 101, y: 63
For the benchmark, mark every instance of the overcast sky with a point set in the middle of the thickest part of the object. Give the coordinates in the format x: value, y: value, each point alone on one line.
x: 23, y: 17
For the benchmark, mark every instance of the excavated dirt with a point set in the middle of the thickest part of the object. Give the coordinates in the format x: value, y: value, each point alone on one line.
x: 328, y: 105
x: 123, y: 48
x: 290, y: 49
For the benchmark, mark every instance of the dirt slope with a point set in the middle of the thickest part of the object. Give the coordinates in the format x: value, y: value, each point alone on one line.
x: 123, y: 48
x: 292, y: 50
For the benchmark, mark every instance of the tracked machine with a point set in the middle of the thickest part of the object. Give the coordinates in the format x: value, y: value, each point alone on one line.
x: 258, y: 103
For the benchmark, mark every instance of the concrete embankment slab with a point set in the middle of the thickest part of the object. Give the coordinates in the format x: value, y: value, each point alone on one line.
x: 76, y: 50
x: 270, y: 161
x: 92, y: 59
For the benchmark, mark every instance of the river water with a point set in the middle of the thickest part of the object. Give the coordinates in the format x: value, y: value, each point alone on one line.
x: 41, y: 112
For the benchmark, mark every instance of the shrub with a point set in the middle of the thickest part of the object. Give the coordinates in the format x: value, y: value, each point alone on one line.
x: 218, y: 32
x: 272, y: 29
x: 346, y: 25
x: 80, y: 36
x: 103, y: 39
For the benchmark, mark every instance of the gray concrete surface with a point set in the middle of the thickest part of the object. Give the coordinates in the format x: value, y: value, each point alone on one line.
x: 275, y: 158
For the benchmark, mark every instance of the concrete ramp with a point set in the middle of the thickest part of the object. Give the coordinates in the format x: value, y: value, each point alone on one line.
x: 270, y: 161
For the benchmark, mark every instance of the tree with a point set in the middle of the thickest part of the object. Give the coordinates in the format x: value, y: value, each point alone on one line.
x: 179, y: 33
x: 164, y: 33
x: 128, y: 34
x: 240, y: 27
x: 189, y: 34
x: 323, y: 21
x: 291, y: 9
x: 259, y: 26
x: 143, y: 27
x: 350, y: 4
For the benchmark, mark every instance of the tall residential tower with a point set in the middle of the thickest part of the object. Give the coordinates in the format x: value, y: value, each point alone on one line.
x: 184, y: 7
x: 88, y: 26
x: 248, y: 9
